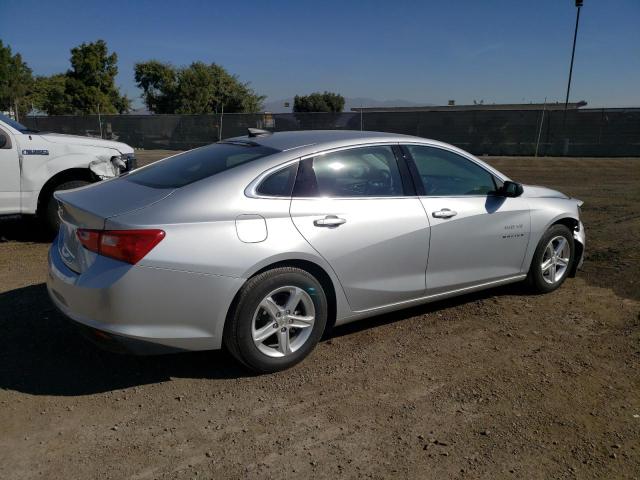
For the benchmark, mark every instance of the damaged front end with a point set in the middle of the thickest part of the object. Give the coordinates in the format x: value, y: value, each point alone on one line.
x: 580, y: 240
x: 105, y: 168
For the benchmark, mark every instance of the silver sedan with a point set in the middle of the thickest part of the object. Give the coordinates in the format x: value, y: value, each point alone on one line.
x: 261, y: 243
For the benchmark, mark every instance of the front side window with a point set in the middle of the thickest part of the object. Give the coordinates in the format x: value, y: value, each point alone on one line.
x: 444, y: 173
x: 357, y: 172
x: 194, y: 165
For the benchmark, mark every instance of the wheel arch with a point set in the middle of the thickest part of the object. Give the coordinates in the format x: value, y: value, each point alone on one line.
x: 569, y: 222
x: 59, y: 178
x: 573, y: 225
x: 311, y: 267
x: 541, y: 222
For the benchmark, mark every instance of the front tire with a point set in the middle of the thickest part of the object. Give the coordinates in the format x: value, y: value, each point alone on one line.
x: 279, y: 318
x: 552, y: 259
x: 50, y: 214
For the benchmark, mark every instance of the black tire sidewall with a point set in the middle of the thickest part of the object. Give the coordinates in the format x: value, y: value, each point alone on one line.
x: 254, y: 292
x: 51, y: 210
x: 535, y: 272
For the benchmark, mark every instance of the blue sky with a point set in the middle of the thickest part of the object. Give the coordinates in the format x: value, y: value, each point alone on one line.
x: 424, y: 51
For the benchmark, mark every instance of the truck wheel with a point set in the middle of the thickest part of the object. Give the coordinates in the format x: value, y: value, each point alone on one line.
x: 50, y: 213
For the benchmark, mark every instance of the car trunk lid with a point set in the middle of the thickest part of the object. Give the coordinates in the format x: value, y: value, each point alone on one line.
x: 89, y: 207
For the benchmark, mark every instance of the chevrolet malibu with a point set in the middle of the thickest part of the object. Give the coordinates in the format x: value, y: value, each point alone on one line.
x: 261, y: 243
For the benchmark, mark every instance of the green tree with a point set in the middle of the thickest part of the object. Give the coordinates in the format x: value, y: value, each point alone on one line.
x: 198, y: 88
x: 49, y: 95
x: 159, y: 83
x: 88, y: 87
x: 90, y: 83
x: 318, y: 102
x: 15, y: 82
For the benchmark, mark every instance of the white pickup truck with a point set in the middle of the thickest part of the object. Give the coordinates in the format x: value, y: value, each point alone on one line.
x: 35, y: 164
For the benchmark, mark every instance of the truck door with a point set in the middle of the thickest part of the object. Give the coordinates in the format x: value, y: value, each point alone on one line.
x: 9, y: 174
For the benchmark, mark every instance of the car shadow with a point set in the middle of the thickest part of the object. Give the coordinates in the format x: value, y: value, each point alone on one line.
x: 519, y: 289
x: 42, y: 353
x: 493, y: 203
x: 23, y: 229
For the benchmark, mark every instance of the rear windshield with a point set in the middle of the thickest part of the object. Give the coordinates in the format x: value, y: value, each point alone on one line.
x: 194, y: 165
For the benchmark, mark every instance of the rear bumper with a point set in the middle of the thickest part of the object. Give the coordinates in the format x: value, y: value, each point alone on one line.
x: 140, y: 309
x: 121, y: 344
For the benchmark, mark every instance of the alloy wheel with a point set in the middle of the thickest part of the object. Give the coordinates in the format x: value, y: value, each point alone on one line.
x: 283, y: 321
x: 555, y: 259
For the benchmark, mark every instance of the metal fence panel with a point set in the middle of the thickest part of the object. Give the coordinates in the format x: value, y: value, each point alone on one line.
x: 583, y: 132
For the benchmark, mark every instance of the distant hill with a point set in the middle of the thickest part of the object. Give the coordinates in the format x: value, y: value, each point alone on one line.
x: 277, y: 106
x: 139, y: 111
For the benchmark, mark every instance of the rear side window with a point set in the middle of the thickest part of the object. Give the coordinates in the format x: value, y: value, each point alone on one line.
x: 194, y: 165
x: 356, y: 172
x: 280, y: 183
x: 444, y: 173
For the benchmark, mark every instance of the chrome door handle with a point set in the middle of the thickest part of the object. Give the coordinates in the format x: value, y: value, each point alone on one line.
x: 329, y: 221
x: 444, y: 213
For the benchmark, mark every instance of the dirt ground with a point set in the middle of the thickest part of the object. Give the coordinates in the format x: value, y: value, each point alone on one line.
x: 498, y: 384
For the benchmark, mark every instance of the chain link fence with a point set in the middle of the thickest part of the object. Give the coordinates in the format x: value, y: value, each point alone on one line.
x: 581, y: 132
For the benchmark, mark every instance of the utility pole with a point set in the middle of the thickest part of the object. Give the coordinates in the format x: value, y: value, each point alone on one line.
x: 544, y: 105
x: 220, y: 128
x: 99, y: 120
x: 573, y: 53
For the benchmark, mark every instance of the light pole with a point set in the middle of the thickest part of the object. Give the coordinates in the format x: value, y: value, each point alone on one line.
x: 573, y: 53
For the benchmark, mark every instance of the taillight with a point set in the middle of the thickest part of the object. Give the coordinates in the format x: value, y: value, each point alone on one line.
x: 90, y: 239
x: 125, y: 245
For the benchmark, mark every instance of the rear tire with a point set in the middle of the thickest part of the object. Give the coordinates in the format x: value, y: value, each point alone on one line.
x: 279, y: 318
x: 50, y: 213
x: 552, y: 259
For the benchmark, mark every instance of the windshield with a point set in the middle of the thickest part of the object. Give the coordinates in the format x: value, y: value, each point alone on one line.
x: 194, y: 165
x: 13, y: 124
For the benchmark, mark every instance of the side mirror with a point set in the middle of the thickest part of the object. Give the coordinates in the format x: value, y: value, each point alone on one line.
x: 3, y: 141
x: 510, y: 189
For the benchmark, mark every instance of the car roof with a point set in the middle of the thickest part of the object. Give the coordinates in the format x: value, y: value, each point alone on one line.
x: 284, y: 141
x: 293, y: 145
x: 301, y: 143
